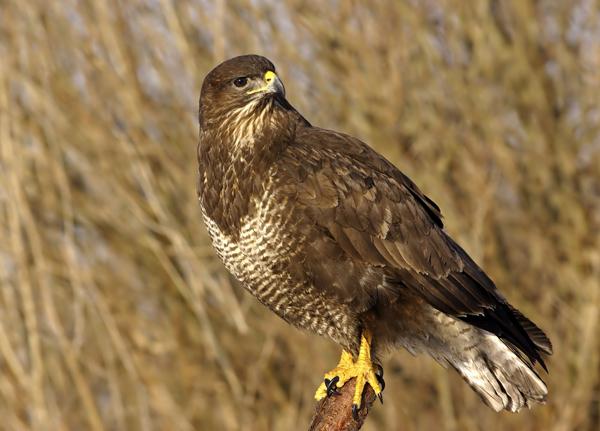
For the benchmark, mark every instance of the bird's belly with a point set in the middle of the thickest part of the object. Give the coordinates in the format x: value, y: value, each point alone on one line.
x: 261, y: 259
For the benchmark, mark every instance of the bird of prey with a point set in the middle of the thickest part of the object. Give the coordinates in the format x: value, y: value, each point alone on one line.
x: 336, y: 240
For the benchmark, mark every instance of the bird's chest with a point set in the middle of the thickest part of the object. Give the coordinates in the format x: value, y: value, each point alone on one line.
x: 268, y: 257
x: 261, y: 254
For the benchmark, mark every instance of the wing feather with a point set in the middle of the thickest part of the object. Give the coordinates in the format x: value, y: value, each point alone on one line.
x: 379, y: 217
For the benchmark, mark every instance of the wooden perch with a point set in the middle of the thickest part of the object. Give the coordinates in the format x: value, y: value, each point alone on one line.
x: 334, y: 413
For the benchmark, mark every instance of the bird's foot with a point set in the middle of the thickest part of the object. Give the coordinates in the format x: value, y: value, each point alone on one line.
x: 363, y: 370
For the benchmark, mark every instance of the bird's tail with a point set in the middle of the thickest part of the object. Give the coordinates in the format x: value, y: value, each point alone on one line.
x: 502, y: 378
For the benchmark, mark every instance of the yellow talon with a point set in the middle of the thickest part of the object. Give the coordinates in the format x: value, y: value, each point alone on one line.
x: 347, y: 369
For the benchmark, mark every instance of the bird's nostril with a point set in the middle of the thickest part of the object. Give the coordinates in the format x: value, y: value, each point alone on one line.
x: 269, y: 77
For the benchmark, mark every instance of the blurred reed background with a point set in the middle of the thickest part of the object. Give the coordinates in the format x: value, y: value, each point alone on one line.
x: 115, y: 313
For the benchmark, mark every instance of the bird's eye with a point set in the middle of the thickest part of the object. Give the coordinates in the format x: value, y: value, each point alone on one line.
x: 240, y: 82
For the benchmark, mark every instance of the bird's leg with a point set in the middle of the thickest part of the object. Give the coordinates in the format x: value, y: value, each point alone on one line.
x: 363, y: 369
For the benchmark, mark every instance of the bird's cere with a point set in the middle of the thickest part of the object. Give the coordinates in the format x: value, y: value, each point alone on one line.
x: 272, y: 84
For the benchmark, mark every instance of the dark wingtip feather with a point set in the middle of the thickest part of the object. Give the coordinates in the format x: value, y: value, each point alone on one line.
x: 539, y: 338
x: 506, y: 324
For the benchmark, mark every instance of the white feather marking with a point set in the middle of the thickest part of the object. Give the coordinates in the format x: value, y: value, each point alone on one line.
x: 267, y: 235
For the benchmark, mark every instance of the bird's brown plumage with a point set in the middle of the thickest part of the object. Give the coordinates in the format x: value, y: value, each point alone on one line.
x: 335, y: 239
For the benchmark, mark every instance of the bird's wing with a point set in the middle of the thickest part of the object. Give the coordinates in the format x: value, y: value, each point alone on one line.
x: 378, y: 216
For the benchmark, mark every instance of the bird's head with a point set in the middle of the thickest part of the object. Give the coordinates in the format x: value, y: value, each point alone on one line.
x: 240, y: 87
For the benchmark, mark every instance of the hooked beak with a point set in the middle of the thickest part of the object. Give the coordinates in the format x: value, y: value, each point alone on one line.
x: 272, y: 84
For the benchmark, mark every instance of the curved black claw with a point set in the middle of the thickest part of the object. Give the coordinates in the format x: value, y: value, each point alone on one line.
x: 331, y: 386
x: 355, y: 412
x: 379, y: 375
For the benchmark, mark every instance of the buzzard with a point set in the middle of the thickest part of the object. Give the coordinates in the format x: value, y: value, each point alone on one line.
x: 334, y: 239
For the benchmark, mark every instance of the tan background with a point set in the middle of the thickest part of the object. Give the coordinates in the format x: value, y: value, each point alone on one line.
x: 115, y: 313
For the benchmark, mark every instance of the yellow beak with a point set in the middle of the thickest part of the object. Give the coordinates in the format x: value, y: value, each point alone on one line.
x: 272, y: 84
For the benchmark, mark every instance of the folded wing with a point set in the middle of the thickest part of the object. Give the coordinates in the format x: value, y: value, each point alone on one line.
x: 379, y: 217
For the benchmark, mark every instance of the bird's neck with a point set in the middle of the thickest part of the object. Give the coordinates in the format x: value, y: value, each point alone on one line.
x: 234, y: 161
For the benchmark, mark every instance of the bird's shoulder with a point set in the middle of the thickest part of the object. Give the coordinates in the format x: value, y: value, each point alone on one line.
x: 330, y: 169
x: 370, y: 208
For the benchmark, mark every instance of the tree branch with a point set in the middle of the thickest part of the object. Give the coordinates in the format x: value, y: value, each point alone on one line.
x: 334, y: 413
